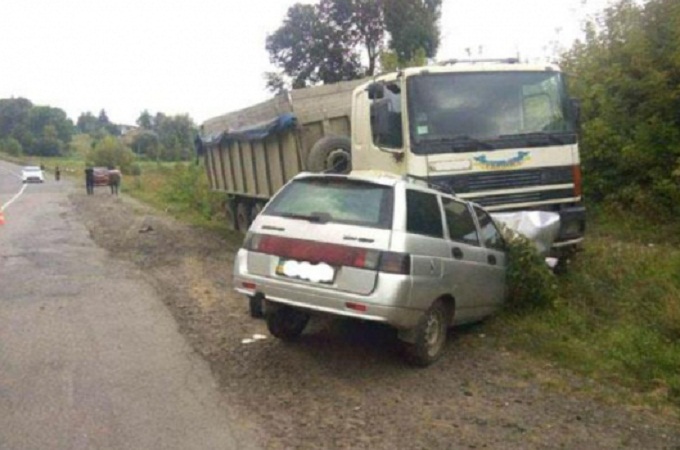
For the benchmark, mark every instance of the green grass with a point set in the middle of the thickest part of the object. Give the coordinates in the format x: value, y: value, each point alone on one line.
x: 182, y: 190
x: 617, y: 315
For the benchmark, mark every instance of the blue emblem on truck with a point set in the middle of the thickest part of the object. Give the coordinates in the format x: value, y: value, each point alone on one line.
x: 515, y: 161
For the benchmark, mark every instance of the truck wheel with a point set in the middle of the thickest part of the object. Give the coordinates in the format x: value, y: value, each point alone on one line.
x: 230, y: 215
x: 430, y: 337
x: 242, y: 217
x: 330, y: 154
x: 284, y: 322
x: 256, y: 210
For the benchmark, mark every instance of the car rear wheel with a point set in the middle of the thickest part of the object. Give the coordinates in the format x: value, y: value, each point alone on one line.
x: 430, y: 336
x: 284, y: 322
x: 255, y: 305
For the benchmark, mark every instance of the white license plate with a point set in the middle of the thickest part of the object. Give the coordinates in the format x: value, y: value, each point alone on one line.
x: 316, y: 273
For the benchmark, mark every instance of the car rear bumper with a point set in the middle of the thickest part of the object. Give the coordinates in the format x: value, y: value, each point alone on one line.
x: 327, y: 301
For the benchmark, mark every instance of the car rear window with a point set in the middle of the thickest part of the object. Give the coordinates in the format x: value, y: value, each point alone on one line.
x: 335, y: 200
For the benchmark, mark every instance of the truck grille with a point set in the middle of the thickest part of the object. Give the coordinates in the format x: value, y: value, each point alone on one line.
x: 506, y: 179
x: 509, y: 179
x: 523, y: 197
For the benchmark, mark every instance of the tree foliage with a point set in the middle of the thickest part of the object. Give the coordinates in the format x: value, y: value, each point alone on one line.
x: 627, y: 75
x: 97, y: 127
x: 39, y: 130
x: 162, y: 137
x: 111, y: 152
x: 311, y: 50
x: 327, y: 42
x: 413, y: 26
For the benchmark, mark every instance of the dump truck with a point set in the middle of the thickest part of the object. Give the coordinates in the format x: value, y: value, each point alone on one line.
x: 500, y: 133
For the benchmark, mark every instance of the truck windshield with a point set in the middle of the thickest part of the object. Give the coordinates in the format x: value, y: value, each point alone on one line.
x: 468, y: 111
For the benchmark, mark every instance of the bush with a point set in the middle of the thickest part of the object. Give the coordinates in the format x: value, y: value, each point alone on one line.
x: 111, y: 152
x: 531, y: 284
x: 187, y: 189
x: 11, y: 146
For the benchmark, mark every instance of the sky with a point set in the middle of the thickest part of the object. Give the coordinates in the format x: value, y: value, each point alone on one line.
x: 206, y: 57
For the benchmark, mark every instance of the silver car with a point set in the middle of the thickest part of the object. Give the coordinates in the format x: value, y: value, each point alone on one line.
x: 376, y: 248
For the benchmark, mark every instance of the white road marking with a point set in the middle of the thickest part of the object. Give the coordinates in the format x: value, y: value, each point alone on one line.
x: 11, y: 200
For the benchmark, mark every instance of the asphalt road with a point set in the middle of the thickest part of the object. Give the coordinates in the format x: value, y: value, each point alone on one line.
x: 90, y: 357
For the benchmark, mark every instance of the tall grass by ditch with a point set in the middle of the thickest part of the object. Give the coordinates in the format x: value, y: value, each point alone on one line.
x: 181, y: 189
x: 616, y: 315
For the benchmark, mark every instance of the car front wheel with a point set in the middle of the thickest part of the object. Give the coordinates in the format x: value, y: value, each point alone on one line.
x: 430, y: 336
x: 284, y: 322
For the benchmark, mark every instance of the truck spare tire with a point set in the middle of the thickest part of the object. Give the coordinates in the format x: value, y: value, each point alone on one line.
x: 330, y: 154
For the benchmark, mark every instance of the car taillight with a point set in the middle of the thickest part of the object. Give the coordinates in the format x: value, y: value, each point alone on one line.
x: 576, y: 175
x: 312, y: 251
x: 392, y: 262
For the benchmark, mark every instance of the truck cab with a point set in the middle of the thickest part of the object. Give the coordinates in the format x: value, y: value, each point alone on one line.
x: 498, y: 133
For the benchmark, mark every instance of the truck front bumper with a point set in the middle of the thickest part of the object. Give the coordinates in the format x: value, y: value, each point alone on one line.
x: 572, y: 225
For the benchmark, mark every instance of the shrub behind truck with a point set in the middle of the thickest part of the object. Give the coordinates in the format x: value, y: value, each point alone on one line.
x: 499, y: 133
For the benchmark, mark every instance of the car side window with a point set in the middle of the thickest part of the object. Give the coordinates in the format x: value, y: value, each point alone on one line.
x: 423, y: 214
x: 459, y: 222
x: 490, y: 235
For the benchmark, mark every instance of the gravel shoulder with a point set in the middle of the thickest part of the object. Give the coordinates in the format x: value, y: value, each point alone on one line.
x: 343, y: 384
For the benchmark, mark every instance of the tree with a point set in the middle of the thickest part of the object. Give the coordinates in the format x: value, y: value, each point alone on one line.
x: 39, y: 130
x: 111, y: 152
x: 627, y: 75
x: 360, y: 22
x: 13, y: 115
x: 311, y: 49
x: 275, y: 82
x: 87, y: 123
x: 11, y: 146
x: 146, y: 143
x: 163, y: 137
x: 145, y: 120
x: 412, y: 25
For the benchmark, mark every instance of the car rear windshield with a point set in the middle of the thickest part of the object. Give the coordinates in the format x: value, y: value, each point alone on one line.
x: 336, y: 200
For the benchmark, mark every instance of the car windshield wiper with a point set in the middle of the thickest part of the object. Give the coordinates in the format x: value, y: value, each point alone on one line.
x: 458, y: 141
x: 536, y: 138
x: 314, y: 217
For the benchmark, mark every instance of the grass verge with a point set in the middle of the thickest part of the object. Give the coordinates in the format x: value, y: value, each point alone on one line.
x: 616, y: 317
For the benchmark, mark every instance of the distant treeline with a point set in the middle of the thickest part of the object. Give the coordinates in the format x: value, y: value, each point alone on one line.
x: 32, y: 130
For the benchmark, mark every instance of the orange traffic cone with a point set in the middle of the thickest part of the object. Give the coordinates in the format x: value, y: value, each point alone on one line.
x: 2, y: 218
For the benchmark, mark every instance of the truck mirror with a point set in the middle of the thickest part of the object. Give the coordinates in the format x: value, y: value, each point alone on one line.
x: 386, y: 125
x: 376, y: 91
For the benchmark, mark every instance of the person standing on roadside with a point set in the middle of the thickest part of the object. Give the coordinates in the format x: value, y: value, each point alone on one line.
x: 57, y: 173
x: 89, y: 180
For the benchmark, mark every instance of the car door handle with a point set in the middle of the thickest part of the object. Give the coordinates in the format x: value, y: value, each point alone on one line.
x: 457, y: 253
x: 491, y: 259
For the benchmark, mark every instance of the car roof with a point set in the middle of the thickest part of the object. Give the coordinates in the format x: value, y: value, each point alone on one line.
x: 381, y: 178
x: 31, y: 168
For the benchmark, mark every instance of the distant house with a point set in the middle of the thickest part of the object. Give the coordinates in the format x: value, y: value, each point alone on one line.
x: 125, y: 129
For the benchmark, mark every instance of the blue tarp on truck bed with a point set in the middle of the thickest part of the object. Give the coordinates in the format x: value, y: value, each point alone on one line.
x: 252, y: 133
